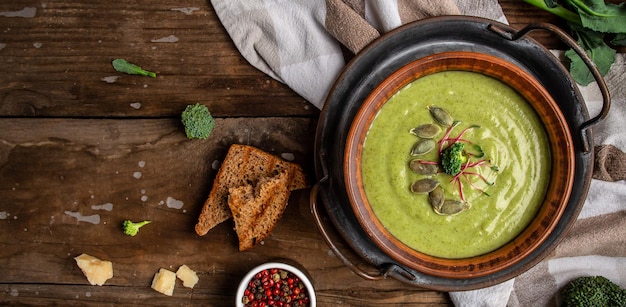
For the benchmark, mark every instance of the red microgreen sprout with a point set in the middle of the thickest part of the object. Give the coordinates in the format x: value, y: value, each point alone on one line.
x: 460, y: 163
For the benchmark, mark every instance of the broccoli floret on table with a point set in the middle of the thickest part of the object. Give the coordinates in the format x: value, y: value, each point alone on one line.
x: 131, y: 228
x: 595, y: 291
x: 198, y: 121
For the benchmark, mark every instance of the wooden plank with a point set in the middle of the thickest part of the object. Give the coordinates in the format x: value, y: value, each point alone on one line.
x: 54, y: 170
x: 85, y: 295
x: 54, y: 63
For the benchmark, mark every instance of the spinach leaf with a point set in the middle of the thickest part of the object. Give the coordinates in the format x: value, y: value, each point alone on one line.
x: 599, y: 16
x: 600, y: 53
x: 591, y: 23
x: 122, y: 65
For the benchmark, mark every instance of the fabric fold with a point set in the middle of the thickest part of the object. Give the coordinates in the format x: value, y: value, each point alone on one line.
x: 609, y: 163
x: 348, y: 27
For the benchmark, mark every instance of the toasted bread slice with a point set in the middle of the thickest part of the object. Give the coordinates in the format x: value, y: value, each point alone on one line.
x: 256, y: 210
x: 243, y: 165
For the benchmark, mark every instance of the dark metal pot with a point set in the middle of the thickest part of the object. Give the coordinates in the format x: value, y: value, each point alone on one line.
x: 395, y: 50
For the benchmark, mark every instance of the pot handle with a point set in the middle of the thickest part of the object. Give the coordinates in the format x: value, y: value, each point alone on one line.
x: 391, y: 269
x: 570, y: 42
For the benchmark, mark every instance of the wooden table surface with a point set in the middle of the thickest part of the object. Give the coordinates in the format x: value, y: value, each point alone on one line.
x: 83, y: 147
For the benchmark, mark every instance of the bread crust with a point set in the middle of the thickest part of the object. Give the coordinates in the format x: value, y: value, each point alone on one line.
x: 256, y: 210
x: 243, y: 165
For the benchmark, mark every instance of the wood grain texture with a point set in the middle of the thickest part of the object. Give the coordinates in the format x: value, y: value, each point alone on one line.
x: 54, y: 63
x: 77, y: 137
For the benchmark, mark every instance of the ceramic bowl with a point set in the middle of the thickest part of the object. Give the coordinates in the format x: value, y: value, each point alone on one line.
x: 556, y: 197
x: 310, y: 290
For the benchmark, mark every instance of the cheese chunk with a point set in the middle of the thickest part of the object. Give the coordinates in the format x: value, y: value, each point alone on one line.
x: 187, y: 275
x: 164, y: 282
x: 96, y: 270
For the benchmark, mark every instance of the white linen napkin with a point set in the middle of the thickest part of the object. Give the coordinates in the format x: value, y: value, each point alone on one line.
x: 291, y: 41
x: 298, y: 42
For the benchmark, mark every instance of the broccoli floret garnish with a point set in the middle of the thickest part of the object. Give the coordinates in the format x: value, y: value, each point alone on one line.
x: 131, y: 228
x: 593, y: 291
x: 452, y: 159
x: 198, y: 121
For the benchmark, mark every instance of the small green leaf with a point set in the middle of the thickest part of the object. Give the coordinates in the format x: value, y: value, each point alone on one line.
x: 600, y: 53
x: 122, y: 65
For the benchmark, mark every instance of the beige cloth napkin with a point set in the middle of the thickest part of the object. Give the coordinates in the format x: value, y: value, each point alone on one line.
x: 346, y: 21
x: 299, y: 43
x: 609, y: 163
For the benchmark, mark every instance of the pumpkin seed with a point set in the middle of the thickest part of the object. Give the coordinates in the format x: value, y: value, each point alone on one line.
x: 423, y: 147
x: 423, y: 168
x: 426, y: 185
x: 451, y: 207
x: 435, y: 197
x: 426, y: 131
x: 441, y: 116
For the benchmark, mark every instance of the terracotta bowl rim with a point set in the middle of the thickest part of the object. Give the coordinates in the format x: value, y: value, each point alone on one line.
x: 559, y: 187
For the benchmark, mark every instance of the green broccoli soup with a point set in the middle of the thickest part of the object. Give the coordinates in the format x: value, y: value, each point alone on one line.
x: 455, y: 164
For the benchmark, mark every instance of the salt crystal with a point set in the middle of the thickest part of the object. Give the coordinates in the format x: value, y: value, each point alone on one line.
x: 110, y: 79
x: 93, y: 219
x: 167, y: 39
x: 107, y: 207
x: 174, y: 203
x: 27, y: 12
x: 288, y: 156
x: 186, y: 10
x: 137, y: 175
x: 215, y: 165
